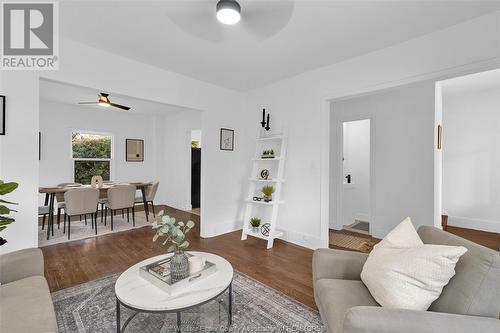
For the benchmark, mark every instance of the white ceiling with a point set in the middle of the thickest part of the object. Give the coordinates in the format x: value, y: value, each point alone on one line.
x: 70, y: 94
x: 472, y: 83
x: 274, y: 40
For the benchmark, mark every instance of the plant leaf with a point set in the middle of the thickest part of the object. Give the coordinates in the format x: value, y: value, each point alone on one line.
x: 184, y: 245
x: 171, y: 248
x: 155, y: 237
x: 4, y: 210
x: 7, y: 187
x: 7, y: 202
x: 190, y: 224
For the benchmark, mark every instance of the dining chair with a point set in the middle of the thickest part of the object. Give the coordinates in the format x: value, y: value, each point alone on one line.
x: 80, y: 201
x: 120, y: 197
x: 60, y: 200
x: 150, y: 196
x: 43, y: 211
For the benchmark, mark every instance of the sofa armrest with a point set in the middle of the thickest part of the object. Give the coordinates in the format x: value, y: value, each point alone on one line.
x: 20, y: 264
x: 337, y: 264
x: 363, y: 319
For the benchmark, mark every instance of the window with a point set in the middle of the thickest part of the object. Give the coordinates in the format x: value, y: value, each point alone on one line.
x: 91, y: 154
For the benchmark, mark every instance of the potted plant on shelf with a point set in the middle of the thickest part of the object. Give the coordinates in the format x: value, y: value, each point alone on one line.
x: 268, y: 191
x: 265, y: 154
x: 255, y: 223
x: 6, y: 188
x: 271, y: 153
x: 173, y: 233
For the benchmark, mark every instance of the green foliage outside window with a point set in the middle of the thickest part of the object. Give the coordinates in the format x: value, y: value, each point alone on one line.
x: 84, y: 170
x: 91, y: 146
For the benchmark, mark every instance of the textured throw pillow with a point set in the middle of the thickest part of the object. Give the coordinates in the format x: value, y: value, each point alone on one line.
x: 402, y: 272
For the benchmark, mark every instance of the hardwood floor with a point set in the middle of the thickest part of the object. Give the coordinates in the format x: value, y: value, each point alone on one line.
x: 286, y: 267
x: 488, y: 239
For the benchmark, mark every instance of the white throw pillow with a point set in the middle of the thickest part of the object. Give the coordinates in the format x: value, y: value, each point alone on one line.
x: 402, y: 272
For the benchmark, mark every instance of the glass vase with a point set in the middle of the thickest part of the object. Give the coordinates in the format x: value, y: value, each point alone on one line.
x: 179, y: 266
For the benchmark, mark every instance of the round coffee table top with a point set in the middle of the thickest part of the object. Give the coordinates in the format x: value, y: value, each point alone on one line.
x: 135, y: 292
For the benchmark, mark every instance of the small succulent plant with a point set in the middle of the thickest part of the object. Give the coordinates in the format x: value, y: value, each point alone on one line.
x: 255, y: 222
x: 171, y: 232
x: 267, y: 190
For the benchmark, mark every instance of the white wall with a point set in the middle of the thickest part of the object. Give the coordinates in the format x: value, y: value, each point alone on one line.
x: 356, y: 162
x: 177, y: 158
x: 301, y: 104
x: 19, y: 156
x: 403, y: 121
x: 471, y: 159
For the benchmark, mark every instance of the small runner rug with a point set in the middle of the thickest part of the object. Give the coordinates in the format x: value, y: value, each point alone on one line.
x: 91, y: 307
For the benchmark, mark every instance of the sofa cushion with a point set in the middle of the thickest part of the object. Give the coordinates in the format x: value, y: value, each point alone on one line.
x: 475, y: 288
x: 335, y: 297
x: 403, y: 273
x: 26, y: 306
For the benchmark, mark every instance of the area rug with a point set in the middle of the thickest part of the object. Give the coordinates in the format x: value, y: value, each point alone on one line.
x: 80, y: 230
x: 351, y: 242
x: 91, y: 307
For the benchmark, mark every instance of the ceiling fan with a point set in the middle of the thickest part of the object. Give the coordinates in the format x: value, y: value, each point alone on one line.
x: 104, y: 101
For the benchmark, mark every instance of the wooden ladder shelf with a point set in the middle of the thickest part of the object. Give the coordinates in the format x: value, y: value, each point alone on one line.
x: 276, y: 179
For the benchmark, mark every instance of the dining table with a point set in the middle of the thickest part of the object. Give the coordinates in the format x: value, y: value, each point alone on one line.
x: 51, y: 191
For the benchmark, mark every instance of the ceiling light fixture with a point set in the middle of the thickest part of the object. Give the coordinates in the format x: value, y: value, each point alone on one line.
x: 228, y: 11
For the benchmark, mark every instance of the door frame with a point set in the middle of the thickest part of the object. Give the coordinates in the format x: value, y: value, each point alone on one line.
x: 337, y: 151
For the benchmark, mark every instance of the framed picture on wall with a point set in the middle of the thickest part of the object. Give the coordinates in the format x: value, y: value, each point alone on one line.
x: 134, y: 150
x: 226, y: 139
x: 2, y: 115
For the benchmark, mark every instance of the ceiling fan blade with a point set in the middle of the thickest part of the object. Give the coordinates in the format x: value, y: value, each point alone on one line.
x: 120, y: 106
x: 88, y: 103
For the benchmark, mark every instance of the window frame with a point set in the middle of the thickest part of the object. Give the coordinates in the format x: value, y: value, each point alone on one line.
x: 110, y: 159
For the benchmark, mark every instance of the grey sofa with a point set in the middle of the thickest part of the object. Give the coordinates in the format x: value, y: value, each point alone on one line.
x: 25, y: 302
x: 469, y: 303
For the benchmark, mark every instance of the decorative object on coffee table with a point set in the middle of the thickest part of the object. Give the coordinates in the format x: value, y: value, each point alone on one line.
x: 226, y: 139
x: 134, y: 150
x: 173, y: 233
x: 255, y: 223
x: 268, y: 191
x: 265, y: 229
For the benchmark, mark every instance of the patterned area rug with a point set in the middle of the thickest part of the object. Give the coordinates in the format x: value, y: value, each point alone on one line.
x: 91, y: 307
x: 352, y: 242
x: 80, y: 230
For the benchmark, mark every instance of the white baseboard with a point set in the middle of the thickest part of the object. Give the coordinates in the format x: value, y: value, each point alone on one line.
x: 477, y: 224
x: 305, y: 240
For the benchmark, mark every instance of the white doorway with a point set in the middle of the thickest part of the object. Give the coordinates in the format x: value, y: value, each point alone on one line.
x: 356, y: 175
x: 467, y: 180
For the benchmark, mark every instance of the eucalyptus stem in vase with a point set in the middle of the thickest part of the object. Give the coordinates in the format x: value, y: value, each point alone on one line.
x: 173, y: 233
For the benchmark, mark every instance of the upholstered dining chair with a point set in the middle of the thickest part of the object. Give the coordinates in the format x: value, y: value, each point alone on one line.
x: 43, y: 211
x: 150, y: 196
x: 60, y: 200
x: 81, y: 201
x: 120, y: 197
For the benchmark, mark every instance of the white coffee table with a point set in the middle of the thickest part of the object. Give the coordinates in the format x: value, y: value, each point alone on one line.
x: 135, y: 293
